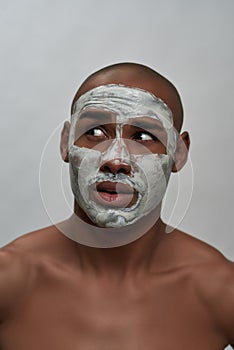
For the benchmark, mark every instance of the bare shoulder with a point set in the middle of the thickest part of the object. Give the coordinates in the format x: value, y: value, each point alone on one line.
x: 43, y: 244
x: 19, y: 263
x: 215, y: 285
x: 14, y: 274
x: 206, y: 262
x: 212, y: 278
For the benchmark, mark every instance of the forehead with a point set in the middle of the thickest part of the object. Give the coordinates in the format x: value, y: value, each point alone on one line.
x: 126, y: 105
x: 124, y: 102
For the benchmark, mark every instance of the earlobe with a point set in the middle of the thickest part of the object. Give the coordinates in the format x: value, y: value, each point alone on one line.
x: 181, y: 153
x: 64, y: 141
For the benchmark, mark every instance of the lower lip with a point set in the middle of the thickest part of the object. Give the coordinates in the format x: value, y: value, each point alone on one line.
x: 119, y: 200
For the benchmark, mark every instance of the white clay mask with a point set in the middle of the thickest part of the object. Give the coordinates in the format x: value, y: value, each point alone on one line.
x: 117, y: 179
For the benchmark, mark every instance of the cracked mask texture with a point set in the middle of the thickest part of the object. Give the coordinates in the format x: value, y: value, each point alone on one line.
x: 149, y: 172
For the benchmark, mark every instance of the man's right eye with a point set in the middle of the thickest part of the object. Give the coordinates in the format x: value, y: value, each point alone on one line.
x: 96, y: 133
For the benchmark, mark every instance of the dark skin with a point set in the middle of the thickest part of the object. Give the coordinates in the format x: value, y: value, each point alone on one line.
x: 162, y: 291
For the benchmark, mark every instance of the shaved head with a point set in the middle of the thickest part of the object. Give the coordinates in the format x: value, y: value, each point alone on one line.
x: 138, y: 76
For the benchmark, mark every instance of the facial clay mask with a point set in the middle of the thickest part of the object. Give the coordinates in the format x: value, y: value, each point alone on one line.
x: 113, y: 183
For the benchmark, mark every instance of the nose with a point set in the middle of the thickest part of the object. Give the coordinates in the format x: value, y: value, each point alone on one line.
x: 116, y: 166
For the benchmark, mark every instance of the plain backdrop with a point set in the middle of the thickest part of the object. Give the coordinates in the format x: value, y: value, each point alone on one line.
x: 49, y: 47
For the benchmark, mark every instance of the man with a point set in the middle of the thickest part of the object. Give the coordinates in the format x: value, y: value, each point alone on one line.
x: 154, y: 291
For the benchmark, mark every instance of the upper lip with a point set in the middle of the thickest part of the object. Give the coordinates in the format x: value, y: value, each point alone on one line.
x: 114, y: 187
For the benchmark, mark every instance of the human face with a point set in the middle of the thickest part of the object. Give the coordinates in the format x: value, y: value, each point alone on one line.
x: 121, y: 147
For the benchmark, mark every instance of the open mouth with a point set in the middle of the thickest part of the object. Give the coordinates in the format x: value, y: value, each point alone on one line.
x: 113, y: 194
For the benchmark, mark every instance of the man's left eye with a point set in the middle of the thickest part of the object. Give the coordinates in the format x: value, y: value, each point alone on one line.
x: 144, y: 136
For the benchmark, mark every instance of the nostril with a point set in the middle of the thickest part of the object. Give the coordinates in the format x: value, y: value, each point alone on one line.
x: 123, y: 171
x: 116, y: 167
x: 105, y: 169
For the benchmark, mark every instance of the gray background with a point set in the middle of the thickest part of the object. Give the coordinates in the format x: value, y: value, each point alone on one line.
x: 49, y: 47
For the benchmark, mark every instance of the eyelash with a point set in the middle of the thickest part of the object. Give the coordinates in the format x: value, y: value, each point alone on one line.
x: 154, y: 138
x: 90, y: 131
x: 137, y: 134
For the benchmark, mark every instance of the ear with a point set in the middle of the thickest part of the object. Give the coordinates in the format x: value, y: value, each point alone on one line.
x: 181, y: 154
x: 64, y: 141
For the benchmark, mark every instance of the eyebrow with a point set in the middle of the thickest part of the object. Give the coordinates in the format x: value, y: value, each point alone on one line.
x: 146, y: 124
x: 104, y: 116
x: 96, y: 115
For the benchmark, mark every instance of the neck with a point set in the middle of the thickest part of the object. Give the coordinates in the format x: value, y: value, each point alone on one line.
x: 120, y: 261
x: 131, y: 259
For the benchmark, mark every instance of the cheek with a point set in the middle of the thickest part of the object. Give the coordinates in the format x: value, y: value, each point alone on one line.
x: 86, y: 142
x: 79, y: 142
x: 82, y: 142
x: 85, y: 160
x: 147, y: 147
x: 136, y: 148
x: 159, y: 148
x: 74, y: 160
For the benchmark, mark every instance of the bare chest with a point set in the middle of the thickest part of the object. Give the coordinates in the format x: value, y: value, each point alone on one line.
x: 87, y: 317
